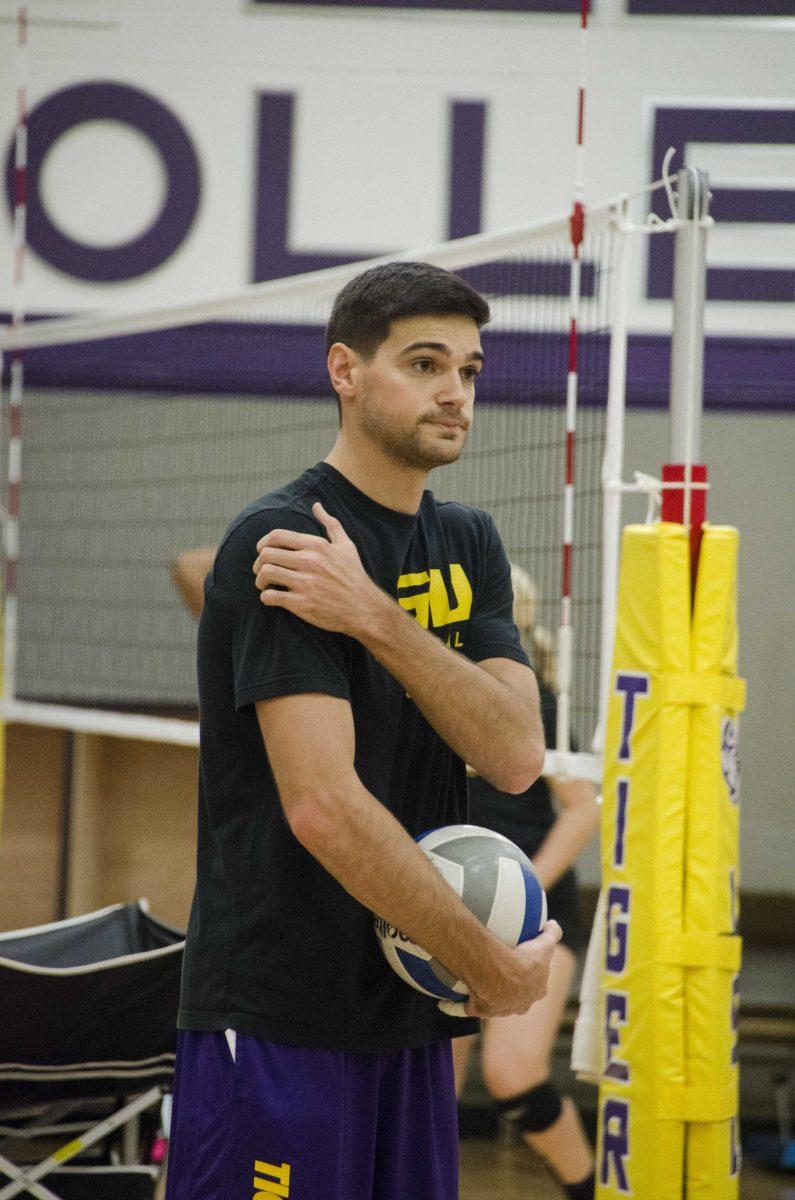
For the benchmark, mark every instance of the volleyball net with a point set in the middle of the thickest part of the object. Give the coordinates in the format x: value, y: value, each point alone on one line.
x: 145, y: 431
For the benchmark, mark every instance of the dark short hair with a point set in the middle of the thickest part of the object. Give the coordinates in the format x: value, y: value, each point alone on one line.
x: 366, y: 307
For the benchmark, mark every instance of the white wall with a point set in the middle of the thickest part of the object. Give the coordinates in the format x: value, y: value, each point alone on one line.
x: 373, y: 90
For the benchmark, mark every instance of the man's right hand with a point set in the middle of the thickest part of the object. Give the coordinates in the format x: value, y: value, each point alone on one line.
x: 517, y: 980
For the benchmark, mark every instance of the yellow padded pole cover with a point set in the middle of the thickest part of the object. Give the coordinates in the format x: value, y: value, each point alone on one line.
x: 668, y: 1122
x: 640, y: 1146
x: 712, y: 873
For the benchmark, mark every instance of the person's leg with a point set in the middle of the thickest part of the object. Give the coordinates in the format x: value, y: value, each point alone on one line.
x: 417, y: 1141
x: 516, y: 1057
x: 306, y: 1120
x: 279, y: 1120
x: 462, y: 1051
x: 201, y: 1117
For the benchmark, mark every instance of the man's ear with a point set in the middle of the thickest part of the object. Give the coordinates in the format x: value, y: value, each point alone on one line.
x: 343, y: 366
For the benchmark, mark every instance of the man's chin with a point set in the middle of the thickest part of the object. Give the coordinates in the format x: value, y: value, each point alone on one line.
x: 442, y: 456
x: 446, y: 449
x: 421, y: 454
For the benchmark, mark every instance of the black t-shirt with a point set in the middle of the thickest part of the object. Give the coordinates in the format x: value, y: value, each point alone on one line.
x: 276, y: 947
x: 527, y: 818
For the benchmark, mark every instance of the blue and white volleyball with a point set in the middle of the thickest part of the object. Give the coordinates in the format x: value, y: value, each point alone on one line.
x: 495, y: 880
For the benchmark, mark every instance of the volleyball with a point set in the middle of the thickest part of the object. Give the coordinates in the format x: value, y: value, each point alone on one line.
x: 496, y: 881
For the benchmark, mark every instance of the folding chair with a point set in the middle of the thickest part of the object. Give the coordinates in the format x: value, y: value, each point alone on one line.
x: 88, y: 1012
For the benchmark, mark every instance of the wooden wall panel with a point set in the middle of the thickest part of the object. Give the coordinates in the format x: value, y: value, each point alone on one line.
x: 30, y: 831
x: 133, y: 826
x: 132, y: 829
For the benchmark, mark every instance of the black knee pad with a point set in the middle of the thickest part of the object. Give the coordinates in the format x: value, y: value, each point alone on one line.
x: 535, y: 1110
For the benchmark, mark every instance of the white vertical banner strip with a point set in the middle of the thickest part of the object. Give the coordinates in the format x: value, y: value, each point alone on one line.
x: 11, y: 515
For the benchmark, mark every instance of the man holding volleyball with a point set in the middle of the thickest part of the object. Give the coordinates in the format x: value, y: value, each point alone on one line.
x: 344, y: 682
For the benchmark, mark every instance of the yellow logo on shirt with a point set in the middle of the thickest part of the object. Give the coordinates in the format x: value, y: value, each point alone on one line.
x: 270, y: 1180
x: 431, y: 606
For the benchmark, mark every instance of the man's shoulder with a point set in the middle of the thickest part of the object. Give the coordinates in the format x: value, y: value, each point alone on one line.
x: 287, y: 507
x: 463, y: 517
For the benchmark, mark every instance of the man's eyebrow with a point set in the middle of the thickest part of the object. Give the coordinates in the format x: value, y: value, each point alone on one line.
x: 441, y: 348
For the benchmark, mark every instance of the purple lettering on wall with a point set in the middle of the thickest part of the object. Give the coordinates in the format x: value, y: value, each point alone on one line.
x: 631, y: 685
x: 614, y: 1147
x: 616, y: 1004
x: 622, y: 801
x: 467, y: 161
x: 619, y: 897
x: 272, y: 255
x: 547, y: 6
x: 753, y: 126
x: 103, y: 100
x: 273, y: 258
x: 713, y: 8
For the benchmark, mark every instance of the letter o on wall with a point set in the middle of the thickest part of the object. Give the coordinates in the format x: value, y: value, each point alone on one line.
x: 117, y: 102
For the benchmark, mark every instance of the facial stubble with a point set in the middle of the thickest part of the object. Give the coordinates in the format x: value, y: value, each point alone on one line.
x: 406, y: 446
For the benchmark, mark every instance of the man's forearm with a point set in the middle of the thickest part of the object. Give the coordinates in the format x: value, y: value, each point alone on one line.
x: 390, y: 875
x: 489, y: 724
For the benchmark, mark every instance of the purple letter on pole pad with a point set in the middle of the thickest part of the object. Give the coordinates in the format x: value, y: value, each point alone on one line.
x: 616, y: 1004
x: 614, y: 1150
x: 631, y: 685
x: 622, y: 803
x: 619, y: 897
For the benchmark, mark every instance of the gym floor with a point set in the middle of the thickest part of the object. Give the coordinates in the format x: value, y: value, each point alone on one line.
x: 493, y: 1170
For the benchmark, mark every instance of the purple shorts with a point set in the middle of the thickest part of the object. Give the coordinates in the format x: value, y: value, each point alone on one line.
x: 278, y: 1121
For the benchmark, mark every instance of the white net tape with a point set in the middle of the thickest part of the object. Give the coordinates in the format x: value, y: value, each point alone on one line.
x: 261, y: 301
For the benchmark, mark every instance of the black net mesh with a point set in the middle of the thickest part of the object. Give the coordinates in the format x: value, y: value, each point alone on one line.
x: 137, y: 448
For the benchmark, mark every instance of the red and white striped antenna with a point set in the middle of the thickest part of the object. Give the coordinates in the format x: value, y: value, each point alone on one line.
x: 576, y: 233
x: 16, y: 371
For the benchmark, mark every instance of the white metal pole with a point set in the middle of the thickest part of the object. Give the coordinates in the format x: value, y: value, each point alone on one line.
x: 613, y: 468
x: 687, y: 339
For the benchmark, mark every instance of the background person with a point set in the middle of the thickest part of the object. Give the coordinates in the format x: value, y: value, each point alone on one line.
x: 516, y: 1050
x: 188, y: 572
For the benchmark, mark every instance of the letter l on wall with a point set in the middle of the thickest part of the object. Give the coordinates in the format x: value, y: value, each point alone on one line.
x: 275, y: 135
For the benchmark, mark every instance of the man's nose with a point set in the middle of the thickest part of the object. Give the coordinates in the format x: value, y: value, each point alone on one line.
x: 453, y: 391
